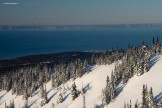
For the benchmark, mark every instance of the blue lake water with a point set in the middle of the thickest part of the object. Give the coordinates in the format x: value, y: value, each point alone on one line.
x: 15, y: 43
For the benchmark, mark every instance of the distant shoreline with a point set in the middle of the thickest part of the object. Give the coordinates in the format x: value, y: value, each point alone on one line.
x: 53, y: 27
x: 50, y: 58
x: 39, y: 58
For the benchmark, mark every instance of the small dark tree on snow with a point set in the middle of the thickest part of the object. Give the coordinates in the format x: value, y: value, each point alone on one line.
x: 53, y: 105
x: 26, y: 104
x: 107, y: 81
x: 74, y: 92
x: 125, y: 106
x: 128, y: 105
x: 145, y: 97
x: 144, y: 103
x: 136, y: 104
x: 60, y: 99
x: 112, y: 87
x: 42, y: 91
x: 45, y: 95
x: 25, y: 93
x: 82, y: 90
x: 103, y: 97
x: 6, y: 105
x: 12, y: 104
x: 151, y: 99
x: 108, y: 91
x: 84, y: 103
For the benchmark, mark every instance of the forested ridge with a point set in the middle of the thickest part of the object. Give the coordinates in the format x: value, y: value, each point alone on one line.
x: 24, y: 75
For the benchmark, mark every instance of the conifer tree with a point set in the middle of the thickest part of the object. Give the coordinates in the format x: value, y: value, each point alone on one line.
x: 84, y: 103
x: 112, y: 87
x: 45, y: 95
x: 107, y: 81
x: 6, y: 105
x: 144, y: 97
x: 136, y: 104
x: 42, y: 91
x: 60, y: 99
x: 103, y: 97
x: 130, y: 105
x: 107, y: 91
x: 151, y: 99
x: 53, y: 105
x: 26, y: 104
x: 12, y: 104
x: 125, y: 105
x: 74, y: 92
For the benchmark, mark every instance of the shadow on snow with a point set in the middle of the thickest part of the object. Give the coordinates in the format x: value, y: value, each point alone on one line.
x: 153, y: 60
x: 120, y: 89
x: 53, y: 95
x: 158, y: 97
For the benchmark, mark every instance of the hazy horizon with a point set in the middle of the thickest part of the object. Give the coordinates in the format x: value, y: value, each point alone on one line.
x: 75, y: 25
x: 76, y: 12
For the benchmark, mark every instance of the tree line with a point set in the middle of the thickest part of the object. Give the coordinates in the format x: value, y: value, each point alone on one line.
x: 24, y: 80
x: 134, y: 62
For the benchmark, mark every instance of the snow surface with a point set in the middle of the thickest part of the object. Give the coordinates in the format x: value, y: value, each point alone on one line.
x: 133, y: 89
x: 94, y: 82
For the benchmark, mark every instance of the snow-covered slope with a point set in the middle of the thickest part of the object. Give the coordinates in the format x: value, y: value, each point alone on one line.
x: 94, y: 82
x: 133, y: 89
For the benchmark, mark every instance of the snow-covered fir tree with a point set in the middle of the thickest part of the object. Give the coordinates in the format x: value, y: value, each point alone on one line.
x: 45, y: 95
x: 128, y: 105
x: 109, y: 93
x: 151, y: 102
x: 60, y: 98
x: 144, y: 97
x: 74, y: 91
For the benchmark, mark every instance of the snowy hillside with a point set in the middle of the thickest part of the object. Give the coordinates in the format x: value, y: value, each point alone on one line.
x: 93, y: 83
x: 133, y: 89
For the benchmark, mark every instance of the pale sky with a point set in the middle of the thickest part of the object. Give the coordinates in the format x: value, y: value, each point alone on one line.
x: 79, y: 12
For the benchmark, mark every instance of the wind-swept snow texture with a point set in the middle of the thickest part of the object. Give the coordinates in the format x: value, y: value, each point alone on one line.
x: 93, y: 83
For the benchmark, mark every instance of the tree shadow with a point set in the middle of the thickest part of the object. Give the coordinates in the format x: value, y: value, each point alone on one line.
x: 66, y: 97
x: 91, y: 68
x: 120, y: 89
x: 154, y: 59
x: 53, y: 95
x: 99, y: 106
x: 2, y: 97
x: 87, y: 87
x: 49, y: 91
x: 32, y: 104
x: 35, y: 93
x: 158, y: 97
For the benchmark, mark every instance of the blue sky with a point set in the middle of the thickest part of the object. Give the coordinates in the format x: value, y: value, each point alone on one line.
x: 79, y: 12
